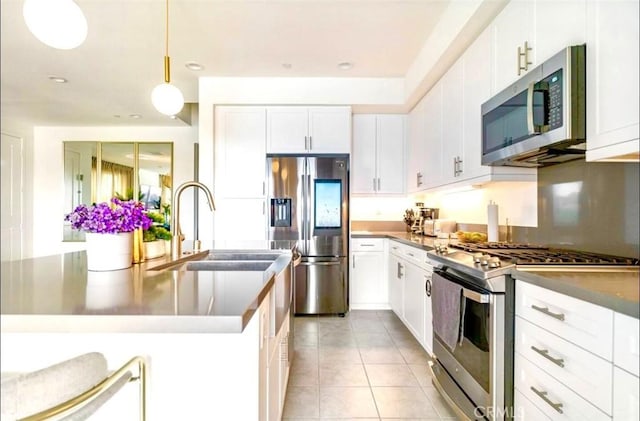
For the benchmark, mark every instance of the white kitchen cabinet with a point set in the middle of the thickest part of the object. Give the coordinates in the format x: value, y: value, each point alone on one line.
x: 433, y: 137
x: 626, y: 343
x: 511, y: 29
x: 368, y: 281
x: 416, y: 149
x: 414, y: 292
x: 428, y: 313
x: 558, y: 24
x: 452, y: 123
x: 613, y: 113
x: 264, y: 323
x: 378, y: 154
x: 396, y: 270
x: 243, y: 219
x: 240, y: 151
x: 278, y: 372
x: 626, y: 396
x: 309, y: 129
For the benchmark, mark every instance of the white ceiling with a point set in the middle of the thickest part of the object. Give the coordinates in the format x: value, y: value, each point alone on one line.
x: 121, y: 61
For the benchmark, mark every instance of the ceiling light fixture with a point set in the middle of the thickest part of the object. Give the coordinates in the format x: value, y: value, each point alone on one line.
x: 57, y: 23
x: 58, y: 79
x: 195, y: 66
x: 166, y: 97
x: 345, y: 65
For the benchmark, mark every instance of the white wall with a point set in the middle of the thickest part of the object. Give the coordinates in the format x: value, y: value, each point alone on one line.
x: 48, y: 176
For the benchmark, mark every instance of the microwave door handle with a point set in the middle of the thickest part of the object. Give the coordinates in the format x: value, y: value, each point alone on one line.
x: 540, y: 126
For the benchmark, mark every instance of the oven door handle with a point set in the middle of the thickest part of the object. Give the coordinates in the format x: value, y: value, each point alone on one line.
x: 476, y: 296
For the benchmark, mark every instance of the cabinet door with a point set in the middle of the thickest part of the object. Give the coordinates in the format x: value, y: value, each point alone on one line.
x: 363, y: 159
x: 242, y: 219
x: 287, y: 129
x: 390, y: 153
x: 263, y: 359
x: 452, y: 111
x: 414, y: 293
x: 433, y: 137
x: 511, y: 28
x: 329, y: 129
x: 428, y: 313
x: 612, y: 79
x: 477, y: 90
x: 415, y: 151
x: 396, y: 285
x: 626, y: 404
x: 274, y: 386
x: 559, y: 24
x: 240, y: 151
x: 368, y: 289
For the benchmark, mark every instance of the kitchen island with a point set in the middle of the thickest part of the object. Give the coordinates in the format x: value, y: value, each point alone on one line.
x: 207, y: 334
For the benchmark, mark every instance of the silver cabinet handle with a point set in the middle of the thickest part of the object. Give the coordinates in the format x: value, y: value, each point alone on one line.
x: 374, y: 184
x: 378, y: 184
x: 310, y: 143
x: 263, y: 188
x: 455, y: 166
x: 545, y: 310
x: 367, y: 245
x: 399, y: 270
x: 418, y: 179
x: 545, y: 353
x: 543, y: 396
x: 306, y: 142
x: 410, y: 254
x: 354, y: 262
x: 524, y: 53
x: 427, y: 286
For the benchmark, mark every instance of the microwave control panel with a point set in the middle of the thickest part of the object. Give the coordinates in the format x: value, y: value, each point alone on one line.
x: 554, y: 111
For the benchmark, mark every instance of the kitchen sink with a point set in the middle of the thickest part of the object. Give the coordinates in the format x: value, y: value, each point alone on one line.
x: 230, y: 265
x: 241, y: 256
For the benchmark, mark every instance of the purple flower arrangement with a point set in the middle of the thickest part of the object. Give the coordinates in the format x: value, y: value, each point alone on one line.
x: 104, y: 218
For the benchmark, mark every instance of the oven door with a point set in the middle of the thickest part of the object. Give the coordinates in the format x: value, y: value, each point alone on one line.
x: 471, y: 376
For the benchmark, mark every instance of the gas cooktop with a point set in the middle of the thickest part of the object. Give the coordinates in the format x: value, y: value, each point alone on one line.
x: 531, y: 254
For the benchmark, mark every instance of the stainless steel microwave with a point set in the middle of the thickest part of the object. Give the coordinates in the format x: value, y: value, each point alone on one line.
x: 540, y: 119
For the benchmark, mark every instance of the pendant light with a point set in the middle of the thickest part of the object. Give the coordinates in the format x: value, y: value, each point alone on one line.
x: 165, y: 97
x: 57, y: 23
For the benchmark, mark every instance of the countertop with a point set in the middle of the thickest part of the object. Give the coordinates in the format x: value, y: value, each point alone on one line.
x: 58, y: 294
x: 616, y: 290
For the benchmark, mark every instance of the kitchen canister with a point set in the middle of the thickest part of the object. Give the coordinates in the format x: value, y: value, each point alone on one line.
x: 109, y: 251
x: 492, y: 222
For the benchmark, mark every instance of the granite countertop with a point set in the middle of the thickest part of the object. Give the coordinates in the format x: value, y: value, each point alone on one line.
x: 58, y: 294
x: 617, y: 290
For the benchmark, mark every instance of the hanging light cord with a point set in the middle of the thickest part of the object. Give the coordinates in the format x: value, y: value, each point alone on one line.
x: 167, y: 65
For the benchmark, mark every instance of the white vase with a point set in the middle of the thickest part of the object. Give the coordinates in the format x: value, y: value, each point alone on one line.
x: 109, y: 251
x: 153, y: 249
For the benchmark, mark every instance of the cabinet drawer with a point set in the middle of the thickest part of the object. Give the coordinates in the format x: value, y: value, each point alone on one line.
x: 584, y: 324
x: 586, y: 374
x: 367, y: 244
x: 626, y: 344
x: 396, y: 248
x: 554, y: 399
x: 626, y: 405
x: 525, y: 410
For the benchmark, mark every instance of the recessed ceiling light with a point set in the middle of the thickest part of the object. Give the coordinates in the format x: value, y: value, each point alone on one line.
x: 286, y: 65
x: 172, y: 117
x: 135, y: 116
x: 116, y: 115
x: 58, y: 79
x: 345, y: 65
x: 192, y: 65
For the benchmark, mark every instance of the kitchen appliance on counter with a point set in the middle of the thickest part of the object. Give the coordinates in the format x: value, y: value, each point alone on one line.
x: 434, y: 227
x: 540, y: 119
x: 308, y: 202
x: 476, y: 377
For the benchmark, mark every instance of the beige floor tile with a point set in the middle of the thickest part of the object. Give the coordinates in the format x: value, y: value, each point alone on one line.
x: 386, y: 315
x: 414, y: 354
x: 422, y: 374
x: 381, y: 355
x: 438, y: 402
x: 305, y: 340
x: 403, y: 402
x: 302, y: 401
x: 363, y: 315
x: 367, y: 325
x: 305, y: 356
x: 337, y: 339
x: 390, y: 375
x: 347, y: 402
x: 343, y: 374
x: 373, y: 339
x: 331, y: 355
x: 304, y: 375
x: 305, y: 325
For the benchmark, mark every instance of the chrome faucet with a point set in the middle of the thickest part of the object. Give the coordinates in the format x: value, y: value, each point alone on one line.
x: 177, y: 237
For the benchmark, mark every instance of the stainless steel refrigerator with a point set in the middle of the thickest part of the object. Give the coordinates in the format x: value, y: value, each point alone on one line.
x: 308, y: 198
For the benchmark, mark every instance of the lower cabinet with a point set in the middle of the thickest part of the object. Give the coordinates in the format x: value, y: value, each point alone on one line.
x: 626, y: 396
x: 278, y: 372
x: 367, y: 280
x: 396, y: 284
x: 414, y: 300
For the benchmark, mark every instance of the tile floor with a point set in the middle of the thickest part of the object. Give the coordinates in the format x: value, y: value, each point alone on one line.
x: 365, y: 366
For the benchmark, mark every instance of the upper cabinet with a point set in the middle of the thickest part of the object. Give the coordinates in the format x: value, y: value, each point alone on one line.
x: 612, y: 80
x: 416, y: 148
x: 308, y: 129
x: 378, y: 154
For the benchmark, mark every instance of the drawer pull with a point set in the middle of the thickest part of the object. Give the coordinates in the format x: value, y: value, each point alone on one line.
x: 545, y: 353
x: 411, y: 254
x: 545, y: 310
x: 367, y: 245
x: 543, y: 396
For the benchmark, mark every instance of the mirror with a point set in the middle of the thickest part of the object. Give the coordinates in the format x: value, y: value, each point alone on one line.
x: 97, y: 171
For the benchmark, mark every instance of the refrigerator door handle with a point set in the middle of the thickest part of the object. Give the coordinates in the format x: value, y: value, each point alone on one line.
x: 320, y: 263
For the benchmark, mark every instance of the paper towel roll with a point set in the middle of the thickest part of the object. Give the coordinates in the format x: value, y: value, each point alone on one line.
x: 492, y: 221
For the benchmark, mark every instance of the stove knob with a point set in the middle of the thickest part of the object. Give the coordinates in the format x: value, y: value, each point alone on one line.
x: 484, y: 259
x: 477, y: 257
x: 494, y: 262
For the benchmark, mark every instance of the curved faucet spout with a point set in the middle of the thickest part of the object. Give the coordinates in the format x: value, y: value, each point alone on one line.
x: 177, y: 237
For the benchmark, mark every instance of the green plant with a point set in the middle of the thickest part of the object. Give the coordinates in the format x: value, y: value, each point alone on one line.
x: 156, y: 217
x: 156, y: 232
